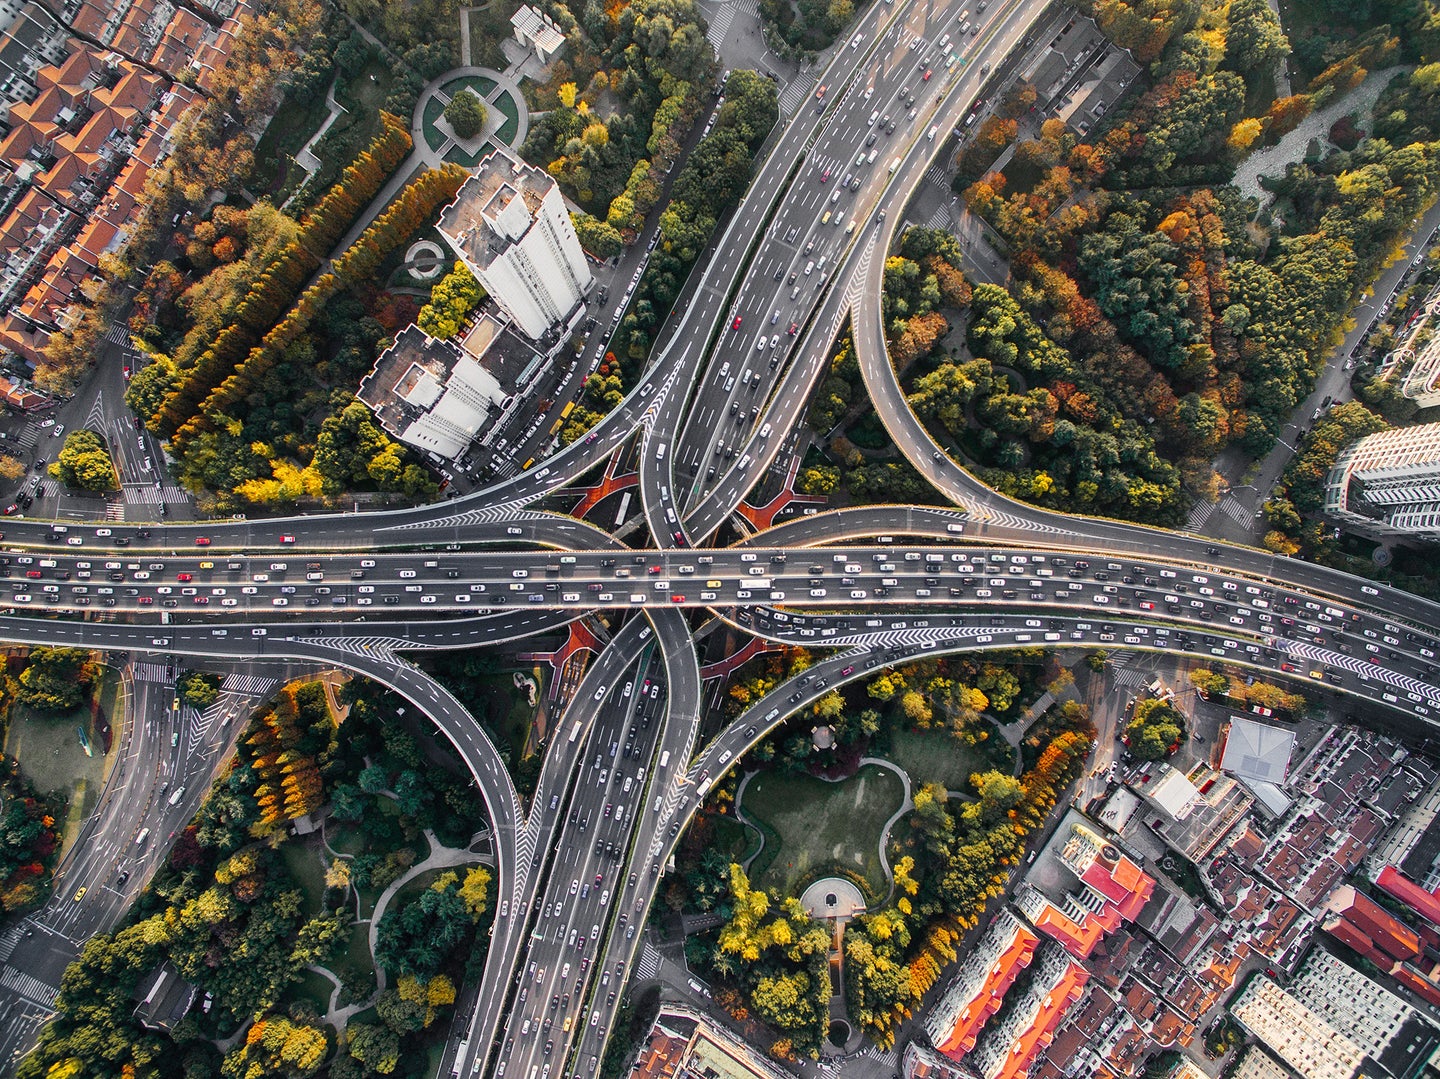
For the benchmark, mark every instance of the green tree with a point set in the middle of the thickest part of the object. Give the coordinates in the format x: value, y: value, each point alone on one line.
x: 56, y: 679
x: 198, y: 689
x: 1254, y: 41
x: 84, y: 463
x: 1154, y: 730
x: 466, y: 114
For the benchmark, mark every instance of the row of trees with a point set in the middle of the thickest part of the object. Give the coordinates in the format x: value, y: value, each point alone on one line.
x: 212, y: 150
x: 712, y: 181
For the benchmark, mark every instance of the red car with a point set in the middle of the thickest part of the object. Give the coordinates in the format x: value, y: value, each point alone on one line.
x: 145, y: 601
x: 202, y: 541
x: 184, y: 577
x: 825, y: 176
x: 736, y: 324
x: 677, y: 599
x: 793, y: 327
x: 926, y: 77
x: 287, y: 539
x: 202, y: 600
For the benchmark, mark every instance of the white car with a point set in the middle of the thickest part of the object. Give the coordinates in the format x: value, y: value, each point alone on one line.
x: 427, y: 599
x: 279, y: 601
x: 74, y: 541
x: 231, y: 602
x: 102, y: 532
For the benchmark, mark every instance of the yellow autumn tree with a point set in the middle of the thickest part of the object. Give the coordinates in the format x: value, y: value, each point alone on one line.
x: 1244, y: 134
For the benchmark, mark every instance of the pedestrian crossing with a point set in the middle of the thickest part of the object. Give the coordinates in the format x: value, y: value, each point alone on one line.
x: 1199, y: 514
x: 1231, y: 507
x: 9, y: 939
x: 150, y: 495
x: 719, y: 24
x: 26, y: 437
x: 887, y: 1057
x: 795, y: 95
x: 940, y: 219
x: 649, y: 963
x: 30, y: 988
x: 1130, y: 679
x: 150, y: 672
x: 248, y: 685
x: 114, y: 511
x: 938, y: 175
x: 118, y: 334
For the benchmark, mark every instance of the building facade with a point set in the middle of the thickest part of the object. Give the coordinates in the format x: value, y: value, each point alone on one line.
x: 1388, y: 483
x: 510, y: 226
x: 1298, y: 1036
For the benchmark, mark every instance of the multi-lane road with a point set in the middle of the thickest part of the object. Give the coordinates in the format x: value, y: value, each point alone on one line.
x: 579, y: 866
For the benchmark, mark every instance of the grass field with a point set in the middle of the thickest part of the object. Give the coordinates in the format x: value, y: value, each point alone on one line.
x: 819, y: 823
x: 303, y: 862
x: 507, y: 107
x: 49, y: 749
x: 292, y: 128
x: 937, y: 757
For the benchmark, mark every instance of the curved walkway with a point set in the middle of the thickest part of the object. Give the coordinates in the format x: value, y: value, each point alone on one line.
x: 440, y: 857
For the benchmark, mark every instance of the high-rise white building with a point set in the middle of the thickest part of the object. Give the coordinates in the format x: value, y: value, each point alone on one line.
x: 509, y: 225
x: 1388, y: 483
x: 1298, y: 1036
x: 1392, y: 1033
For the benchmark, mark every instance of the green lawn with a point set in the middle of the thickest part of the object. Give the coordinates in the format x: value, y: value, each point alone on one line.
x: 937, y: 757
x: 479, y: 83
x: 460, y: 156
x: 51, y: 750
x: 505, y: 104
x: 303, y: 862
x: 434, y: 109
x: 819, y: 823
x: 315, y: 988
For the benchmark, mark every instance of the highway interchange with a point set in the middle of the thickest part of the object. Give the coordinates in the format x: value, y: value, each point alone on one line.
x: 579, y: 867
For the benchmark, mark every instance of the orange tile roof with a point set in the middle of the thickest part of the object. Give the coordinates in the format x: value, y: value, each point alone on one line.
x: 1033, y: 1040
x: 986, y: 1002
x: 22, y: 339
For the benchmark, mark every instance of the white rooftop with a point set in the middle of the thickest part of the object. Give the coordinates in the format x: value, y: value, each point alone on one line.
x: 1257, y: 750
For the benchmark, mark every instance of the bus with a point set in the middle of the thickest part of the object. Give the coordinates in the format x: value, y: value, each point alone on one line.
x: 565, y: 412
x: 555, y: 427
x: 459, y: 1059
x: 574, y: 734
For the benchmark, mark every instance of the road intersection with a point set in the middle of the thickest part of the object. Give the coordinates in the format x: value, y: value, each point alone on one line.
x: 579, y: 867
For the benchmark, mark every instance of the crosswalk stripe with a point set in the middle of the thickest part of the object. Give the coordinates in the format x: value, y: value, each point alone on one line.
x: 149, y: 672
x: 649, y: 963
x: 31, y: 988
x: 148, y: 495
x: 1232, y: 508
x: 11, y: 938
x: 247, y: 685
x: 1199, y: 514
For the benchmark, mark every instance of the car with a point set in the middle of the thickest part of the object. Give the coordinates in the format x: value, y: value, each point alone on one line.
x: 736, y: 324
x: 793, y: 327
x: 825, y: 176
x: 74, y: 541
x: 102, y: 532
x: 81, y: 893
x: 926, y: 77
x: 202, y: 541
x: 676, y: 598
x: 287, y: 539
x: 184, y: 577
